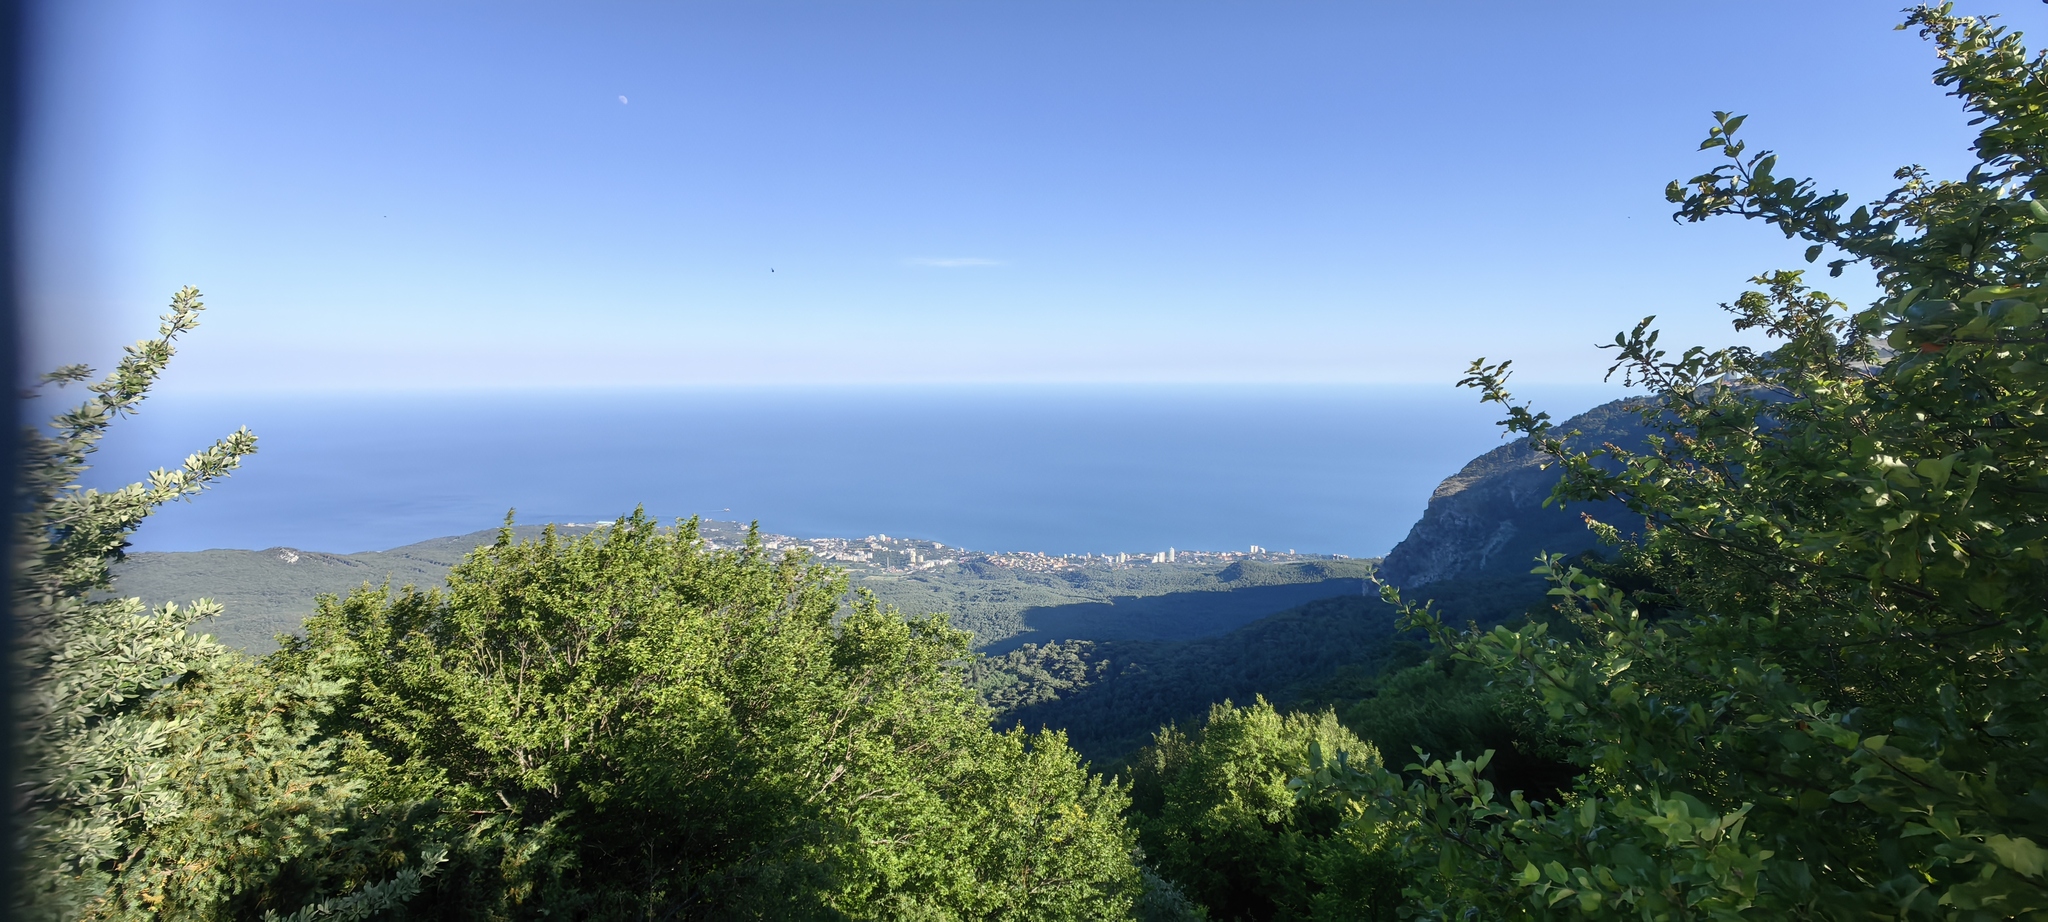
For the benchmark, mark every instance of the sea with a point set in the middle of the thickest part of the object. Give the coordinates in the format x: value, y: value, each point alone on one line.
x: 1053, y: 469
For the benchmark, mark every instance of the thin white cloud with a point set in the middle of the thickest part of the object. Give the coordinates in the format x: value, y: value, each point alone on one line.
x: 952, y: 262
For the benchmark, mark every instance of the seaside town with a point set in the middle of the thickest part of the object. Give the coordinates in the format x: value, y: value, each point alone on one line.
x: 887, y: 554
x: 908, y: 555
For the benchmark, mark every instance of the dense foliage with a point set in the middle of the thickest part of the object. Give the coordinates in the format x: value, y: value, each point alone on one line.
x: 1217, y: 816
x: 1446, y: 706
x: 1824, y: 697
x: 1111, y: 696
x: 631, y: 724
x: 152, y: 756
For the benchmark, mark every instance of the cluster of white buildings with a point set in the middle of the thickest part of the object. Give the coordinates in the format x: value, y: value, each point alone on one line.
x: 1029, y: 560
x: 879, y: 551
x: 909, y: 555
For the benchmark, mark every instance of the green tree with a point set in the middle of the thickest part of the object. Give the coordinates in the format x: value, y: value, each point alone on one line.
x: 1445, y: 707
x: 635, y: 724
x: 1218, y: 816
x: 165, y: 776
x: 1823, y: 698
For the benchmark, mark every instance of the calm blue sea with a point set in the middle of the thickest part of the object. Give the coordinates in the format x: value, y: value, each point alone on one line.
x: 1054, y: 469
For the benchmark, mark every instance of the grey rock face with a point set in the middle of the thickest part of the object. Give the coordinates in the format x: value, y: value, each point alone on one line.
x: 1488, y: 520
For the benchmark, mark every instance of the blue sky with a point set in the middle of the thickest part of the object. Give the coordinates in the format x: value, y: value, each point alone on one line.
x: 400, y: 196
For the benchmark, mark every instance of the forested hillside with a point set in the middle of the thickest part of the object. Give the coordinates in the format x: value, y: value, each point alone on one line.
x: 1110, y: 696
x: 1001, y: 599
x: 270, y: 592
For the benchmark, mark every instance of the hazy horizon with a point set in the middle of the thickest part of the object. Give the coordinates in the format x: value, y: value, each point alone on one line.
x: 1054, y: 469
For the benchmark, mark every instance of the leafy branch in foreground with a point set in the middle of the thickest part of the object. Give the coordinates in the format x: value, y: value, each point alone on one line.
x: 164, y: 776
x: 93, y: 667
x: 1840, y: 709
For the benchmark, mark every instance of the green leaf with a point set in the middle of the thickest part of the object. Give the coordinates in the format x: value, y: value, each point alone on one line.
x: 1936, y: 470
x: 2019, y: 853
x: 1990, y: 293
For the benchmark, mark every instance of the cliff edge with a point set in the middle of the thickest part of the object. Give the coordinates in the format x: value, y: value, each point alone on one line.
x: 1488, y: 521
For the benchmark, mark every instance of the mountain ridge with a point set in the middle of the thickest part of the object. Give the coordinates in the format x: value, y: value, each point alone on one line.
x: 1488, y: 521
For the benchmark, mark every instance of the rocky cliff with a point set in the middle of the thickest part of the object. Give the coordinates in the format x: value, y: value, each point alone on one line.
x: 1488, y: 521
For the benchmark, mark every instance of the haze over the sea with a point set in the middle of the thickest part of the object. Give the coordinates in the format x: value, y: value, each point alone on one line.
x: 1055, y: 469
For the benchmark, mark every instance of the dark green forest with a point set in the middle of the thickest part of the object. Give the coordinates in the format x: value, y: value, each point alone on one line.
x: 1778, y: 663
